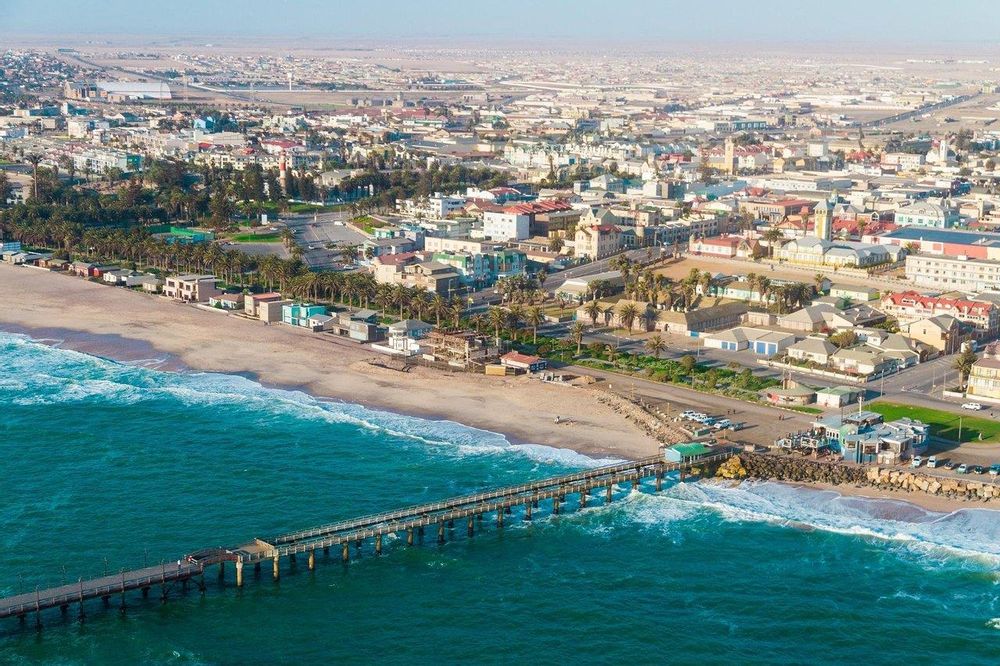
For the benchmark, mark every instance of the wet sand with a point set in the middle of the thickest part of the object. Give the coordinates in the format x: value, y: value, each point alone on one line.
x: 129, y: 326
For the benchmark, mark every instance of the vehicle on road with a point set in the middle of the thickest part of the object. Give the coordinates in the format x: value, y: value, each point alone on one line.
x: 722, y: 424
x: 963, y: 469
x: 975, y: 406
x: 979, y: 469
x: 950, y: 464
x: 995, y: 470
x: 932, y: 462
x: 917, y: 461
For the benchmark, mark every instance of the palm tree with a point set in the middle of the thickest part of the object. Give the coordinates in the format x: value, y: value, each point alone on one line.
x: 34, y: 159
x: 627, y: 314
x: 499, y: 318
x: 773, y: 235
x: 593, y: 310
x: 576, y: 333
x: 438, y: 305
x: 963, y: 363
x: 611, y: 352
x: 648, y: 318
x: 818, y: 280
x: 533, y: 318
x: 655, y: 345
x: 516, y: 318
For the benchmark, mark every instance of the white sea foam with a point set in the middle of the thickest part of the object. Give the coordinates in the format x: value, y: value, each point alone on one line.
x: 969, y: 533
x: 61, y: 376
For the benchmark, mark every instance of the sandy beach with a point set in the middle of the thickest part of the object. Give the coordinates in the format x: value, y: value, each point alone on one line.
x: 129, y: 326
x: 134, y: 327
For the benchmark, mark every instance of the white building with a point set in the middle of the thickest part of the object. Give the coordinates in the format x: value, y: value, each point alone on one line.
x: 506, y: 226
x: 926, y: 214
x: 953, y: 273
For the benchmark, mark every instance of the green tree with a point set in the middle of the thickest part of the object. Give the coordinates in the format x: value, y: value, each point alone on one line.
x: 627, y: 314
x: 688, y: 363
x: 655, y: 345
x: 576, y: 334
x: 534, y: 317
x: 963, y: 363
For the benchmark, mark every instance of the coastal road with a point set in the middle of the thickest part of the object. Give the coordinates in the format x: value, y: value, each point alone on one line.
x: 706, y: 356
x: 764, y: 424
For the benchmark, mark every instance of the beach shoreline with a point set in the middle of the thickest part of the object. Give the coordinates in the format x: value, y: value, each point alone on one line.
x: 170, y: 336
x: 88, y: 317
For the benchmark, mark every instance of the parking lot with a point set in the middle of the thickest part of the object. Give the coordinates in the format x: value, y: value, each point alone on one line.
x: 321, y: 235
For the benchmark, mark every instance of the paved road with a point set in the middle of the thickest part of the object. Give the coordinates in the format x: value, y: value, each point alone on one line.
x: 592, y: 268
x: 318, y: 231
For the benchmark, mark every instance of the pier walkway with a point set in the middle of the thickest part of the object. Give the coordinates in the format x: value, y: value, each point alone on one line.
x: 411, y: 521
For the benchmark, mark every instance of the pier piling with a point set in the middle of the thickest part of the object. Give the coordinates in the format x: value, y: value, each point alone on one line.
x: 471, y: 508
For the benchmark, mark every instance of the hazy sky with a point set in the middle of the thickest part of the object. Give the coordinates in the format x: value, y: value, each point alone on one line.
x: 896, y: 21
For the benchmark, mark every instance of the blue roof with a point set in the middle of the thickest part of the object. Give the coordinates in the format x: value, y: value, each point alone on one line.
x: 944, y: 235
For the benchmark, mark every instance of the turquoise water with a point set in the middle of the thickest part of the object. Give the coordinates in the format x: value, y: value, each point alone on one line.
x: 124, y: 462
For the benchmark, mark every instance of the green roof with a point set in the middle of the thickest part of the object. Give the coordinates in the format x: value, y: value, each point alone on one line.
x: 691, y: 449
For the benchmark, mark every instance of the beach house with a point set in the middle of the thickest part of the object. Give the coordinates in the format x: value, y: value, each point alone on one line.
x: 298, y: 314
x: 191, y: 287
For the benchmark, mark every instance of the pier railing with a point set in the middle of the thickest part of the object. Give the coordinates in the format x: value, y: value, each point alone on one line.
x: 473, y: 507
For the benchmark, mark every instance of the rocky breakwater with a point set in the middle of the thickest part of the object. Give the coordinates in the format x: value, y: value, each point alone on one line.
x: 895, y: 479
x: 788, y: 468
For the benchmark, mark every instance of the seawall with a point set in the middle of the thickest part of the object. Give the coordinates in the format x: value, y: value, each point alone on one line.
x: 766, y: 467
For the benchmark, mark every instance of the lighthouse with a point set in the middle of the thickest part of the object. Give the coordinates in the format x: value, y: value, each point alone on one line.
x: 283, y: 173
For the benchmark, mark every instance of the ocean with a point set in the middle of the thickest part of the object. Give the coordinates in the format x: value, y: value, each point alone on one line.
x: 109, y: 466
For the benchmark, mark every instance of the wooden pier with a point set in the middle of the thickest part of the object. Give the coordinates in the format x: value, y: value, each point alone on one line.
x: 589, y: 486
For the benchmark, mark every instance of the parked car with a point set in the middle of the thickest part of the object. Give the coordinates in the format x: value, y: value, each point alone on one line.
x: 917, y: 461
x: 951, y: 464
x: 932, y: 462
x: 722, y: 424
x: 975, y: 406
x: 963, y: 469
x: 979, y: 469
x: 995, y: 470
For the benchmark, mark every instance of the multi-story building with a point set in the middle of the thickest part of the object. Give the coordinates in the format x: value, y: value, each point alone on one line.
x: 190, y: 287
x: 984, y: 378
x: 598, y: 241
x: 910, y: 306
x: 926, y: 214
x: 950, y: 273
x: 506, y: 225
x: 811, y: 251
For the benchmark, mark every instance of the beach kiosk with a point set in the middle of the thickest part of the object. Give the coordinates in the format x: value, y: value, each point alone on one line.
x: 686, y: 453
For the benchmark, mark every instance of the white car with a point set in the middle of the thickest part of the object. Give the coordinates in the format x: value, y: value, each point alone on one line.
x: 932, y: 462
x: 975, y: 406
x: 917, y: 461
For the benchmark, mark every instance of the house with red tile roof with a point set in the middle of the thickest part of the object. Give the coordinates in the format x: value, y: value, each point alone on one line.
x: 910, y: 306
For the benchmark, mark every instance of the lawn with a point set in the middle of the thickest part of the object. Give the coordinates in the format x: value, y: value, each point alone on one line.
x: 943, y: 424
x: 257, y: 238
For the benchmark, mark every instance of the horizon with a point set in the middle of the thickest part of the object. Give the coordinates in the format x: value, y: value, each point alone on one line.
x: 965, y: 24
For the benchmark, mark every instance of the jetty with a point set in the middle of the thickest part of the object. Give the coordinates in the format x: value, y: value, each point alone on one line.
x: 592, y: 485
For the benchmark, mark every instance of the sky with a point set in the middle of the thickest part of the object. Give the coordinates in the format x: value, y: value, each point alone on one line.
x: 959, y: 22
